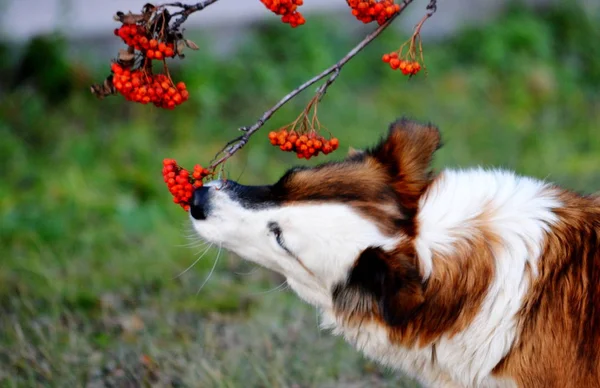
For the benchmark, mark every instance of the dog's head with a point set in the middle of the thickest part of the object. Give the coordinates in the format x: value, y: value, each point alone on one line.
x: 331, y: 230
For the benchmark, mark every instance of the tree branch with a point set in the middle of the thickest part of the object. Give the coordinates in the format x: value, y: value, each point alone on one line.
x: 235, y: 145
x: 187, y: 10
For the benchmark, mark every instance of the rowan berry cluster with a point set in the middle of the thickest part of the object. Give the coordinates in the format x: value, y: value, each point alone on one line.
x: 369, y: 10
x: 304, y: 145
x: 287, y: 9
x: 144, y: 87
x: 149, y: 38
x: 181, y: 183
x: 407, y: 67
x: 141, y: 85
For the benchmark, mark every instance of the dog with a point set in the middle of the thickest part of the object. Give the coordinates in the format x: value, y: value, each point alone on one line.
x: 460, y: 278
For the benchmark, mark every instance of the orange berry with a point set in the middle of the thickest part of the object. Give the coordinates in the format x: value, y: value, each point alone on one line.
x: 116, y: 68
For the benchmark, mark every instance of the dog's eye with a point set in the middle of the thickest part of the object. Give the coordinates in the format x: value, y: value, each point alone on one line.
x: 277, y: 232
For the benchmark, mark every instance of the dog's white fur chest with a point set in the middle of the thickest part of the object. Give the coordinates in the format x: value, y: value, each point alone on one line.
x: 422, y: 364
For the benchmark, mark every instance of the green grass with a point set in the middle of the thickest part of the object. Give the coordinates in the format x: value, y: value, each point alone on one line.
x: 90, y: 245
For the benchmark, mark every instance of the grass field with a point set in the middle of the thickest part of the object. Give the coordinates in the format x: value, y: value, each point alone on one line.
x: 91, y: 245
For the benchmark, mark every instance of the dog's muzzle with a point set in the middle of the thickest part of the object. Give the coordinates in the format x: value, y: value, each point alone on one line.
x: 200, y: 203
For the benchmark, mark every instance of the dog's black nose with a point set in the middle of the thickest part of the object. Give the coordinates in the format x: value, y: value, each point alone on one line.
x: 199, y: 205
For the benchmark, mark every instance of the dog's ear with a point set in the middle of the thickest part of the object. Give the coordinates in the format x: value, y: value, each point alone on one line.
x: 406, y: 153
x: 389, y: 284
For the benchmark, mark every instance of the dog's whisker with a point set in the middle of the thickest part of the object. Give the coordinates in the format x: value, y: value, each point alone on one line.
x: 187, y: 227
x: 193, y: 244
x: 191, y: 235
x: 283, y: 286
x: 211, y: 270
x: 242, y: 172
x: 195, y: 262
x: 253, y: 270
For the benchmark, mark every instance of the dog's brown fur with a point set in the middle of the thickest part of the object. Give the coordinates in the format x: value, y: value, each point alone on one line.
x: 559, y: 345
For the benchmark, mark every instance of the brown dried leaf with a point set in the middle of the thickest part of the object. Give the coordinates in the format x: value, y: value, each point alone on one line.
x: 129, y: 18
x: 105, y: 89
x: 191, y: 44
x: 180, y: 48
x: 126, y: 56
x: 161, y: 20
x: 148, y: 8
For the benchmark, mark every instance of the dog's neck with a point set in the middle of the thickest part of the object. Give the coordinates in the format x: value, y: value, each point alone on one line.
x: 479, y: 240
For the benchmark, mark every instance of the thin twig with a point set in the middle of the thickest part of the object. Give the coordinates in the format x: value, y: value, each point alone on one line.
x: 431, y: 7
x: 187, y: 10
x: 235, y: 145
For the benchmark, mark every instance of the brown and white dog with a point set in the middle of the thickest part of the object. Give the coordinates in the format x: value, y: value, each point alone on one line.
x: 467, y: 278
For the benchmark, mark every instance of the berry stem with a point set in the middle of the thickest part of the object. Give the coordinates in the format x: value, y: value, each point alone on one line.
x: 238, y: 143
x: 416, y: 37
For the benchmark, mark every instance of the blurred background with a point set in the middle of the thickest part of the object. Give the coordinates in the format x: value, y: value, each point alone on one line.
x: 91, y: 245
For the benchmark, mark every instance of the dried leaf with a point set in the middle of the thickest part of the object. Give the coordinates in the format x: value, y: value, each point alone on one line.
x: 180, y: 48
x: 161, y: 20
x: 129, y: 18
x: 148, y: 8
x: 126, y: 56
x: 105, y: 89
x: 191, y: 44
